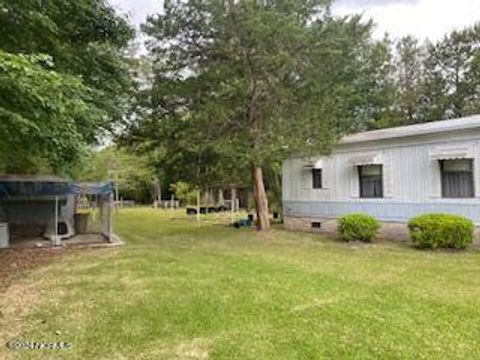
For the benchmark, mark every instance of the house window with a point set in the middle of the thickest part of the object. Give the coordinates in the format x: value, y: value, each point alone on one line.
x: 371, y: 181
x: 317, y: 178
x: 457, y: 178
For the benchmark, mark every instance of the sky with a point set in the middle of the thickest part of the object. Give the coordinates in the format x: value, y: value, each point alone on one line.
x: 422, y: 18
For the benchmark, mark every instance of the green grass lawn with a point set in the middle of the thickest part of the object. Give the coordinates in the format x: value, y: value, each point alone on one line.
x: 181, y: 290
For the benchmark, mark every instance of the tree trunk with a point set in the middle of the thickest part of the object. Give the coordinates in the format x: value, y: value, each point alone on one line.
x: 157, y: 193
x: 260, y: 196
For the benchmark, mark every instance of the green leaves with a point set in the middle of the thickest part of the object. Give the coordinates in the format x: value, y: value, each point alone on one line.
x: 451, y: 83
x: 43, y: 113
x: 133, y: 173
x: 247, y: 82
x: 65, y: 80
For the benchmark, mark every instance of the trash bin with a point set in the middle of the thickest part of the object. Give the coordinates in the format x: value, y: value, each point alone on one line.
x: 81, y: 222
x: 4, y: 235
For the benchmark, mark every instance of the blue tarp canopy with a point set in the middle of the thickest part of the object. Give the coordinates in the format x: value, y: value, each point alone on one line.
x: 31, y: 187
x: 91, y: 188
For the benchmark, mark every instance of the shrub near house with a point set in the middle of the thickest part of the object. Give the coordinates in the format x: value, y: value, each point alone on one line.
x: 433, y: 231
x: 360, y: 227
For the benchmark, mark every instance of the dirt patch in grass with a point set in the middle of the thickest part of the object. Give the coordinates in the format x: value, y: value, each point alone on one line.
x: 317, y: 302
x: 190, y: 349
x: 16, y: 261
x: 14, y: 305
x: 17, y: 297
x: 195, y: 349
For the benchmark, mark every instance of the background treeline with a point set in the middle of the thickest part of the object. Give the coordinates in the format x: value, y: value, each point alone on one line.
x: 70, y: 80
x: 414, y: 82
x: 363, y: 84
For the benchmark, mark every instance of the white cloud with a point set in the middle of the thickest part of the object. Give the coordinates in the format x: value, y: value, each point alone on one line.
x: 138, y: 10
x: 373, y: 2
x: 423, y: 18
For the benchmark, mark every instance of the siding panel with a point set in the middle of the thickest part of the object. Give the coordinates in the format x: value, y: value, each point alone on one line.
x: 385, y: 211
x: 411, y: 181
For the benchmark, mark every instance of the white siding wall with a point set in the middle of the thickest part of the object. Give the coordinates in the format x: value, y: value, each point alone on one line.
x: 411, y: 179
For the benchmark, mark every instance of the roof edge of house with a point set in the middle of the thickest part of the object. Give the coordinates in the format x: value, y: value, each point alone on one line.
x: 433, y: 127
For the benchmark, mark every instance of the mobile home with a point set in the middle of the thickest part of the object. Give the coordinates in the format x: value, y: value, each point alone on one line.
x: 393, y: 174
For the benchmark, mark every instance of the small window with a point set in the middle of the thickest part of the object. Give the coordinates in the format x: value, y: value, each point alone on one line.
x: 371, y: 181
x: 457, y: 178
x: 317, y: 178
x: 316, y: 225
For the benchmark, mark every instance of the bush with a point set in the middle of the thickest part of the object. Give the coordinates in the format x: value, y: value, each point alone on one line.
x: 432, y: 231
x: 184, y: 192
x: 361, y: 227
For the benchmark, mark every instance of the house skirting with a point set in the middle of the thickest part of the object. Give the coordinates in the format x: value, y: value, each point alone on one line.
x: 382, y: 209
x: 389, y: 231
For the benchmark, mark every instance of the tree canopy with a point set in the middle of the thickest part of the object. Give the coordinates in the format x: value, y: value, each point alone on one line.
x: 430, y: 81
x: 251, y: 82
x: 65, y: 79
x: 133, y: 173
x: 227, y: 90
x: 46, y: 114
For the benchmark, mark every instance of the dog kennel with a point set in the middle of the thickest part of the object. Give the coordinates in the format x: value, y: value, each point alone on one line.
x: 42, y: 210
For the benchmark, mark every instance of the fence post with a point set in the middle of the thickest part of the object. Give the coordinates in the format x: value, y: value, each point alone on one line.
x: 198, y: 205
x: 232, y: 204
x: 56, y: 240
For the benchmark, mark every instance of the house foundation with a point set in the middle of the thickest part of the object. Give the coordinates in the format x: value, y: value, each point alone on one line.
x: 389, y: 231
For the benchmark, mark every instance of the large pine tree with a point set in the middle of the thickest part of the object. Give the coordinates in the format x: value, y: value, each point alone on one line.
x: 253, y: 81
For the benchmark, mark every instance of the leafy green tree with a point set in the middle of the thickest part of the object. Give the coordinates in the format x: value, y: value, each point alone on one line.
x: 430, y: 81
x: 473, y: 76
x: 134, y: 173
x: 184, y: 192
x: 377, y: 90
x: 74, y: 43
x: 43, y: 114
x: 450, y: 77
x: 409, y: 67
x: 252, y: 82
x: 433, y: 88
x: 84, y: 37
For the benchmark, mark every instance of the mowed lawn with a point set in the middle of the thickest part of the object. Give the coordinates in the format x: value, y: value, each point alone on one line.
x: 182, y: 290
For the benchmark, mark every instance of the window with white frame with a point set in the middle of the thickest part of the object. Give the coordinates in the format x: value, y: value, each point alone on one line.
x: 317, y: 178
x: 371, y: 181
x: 457, y: 178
